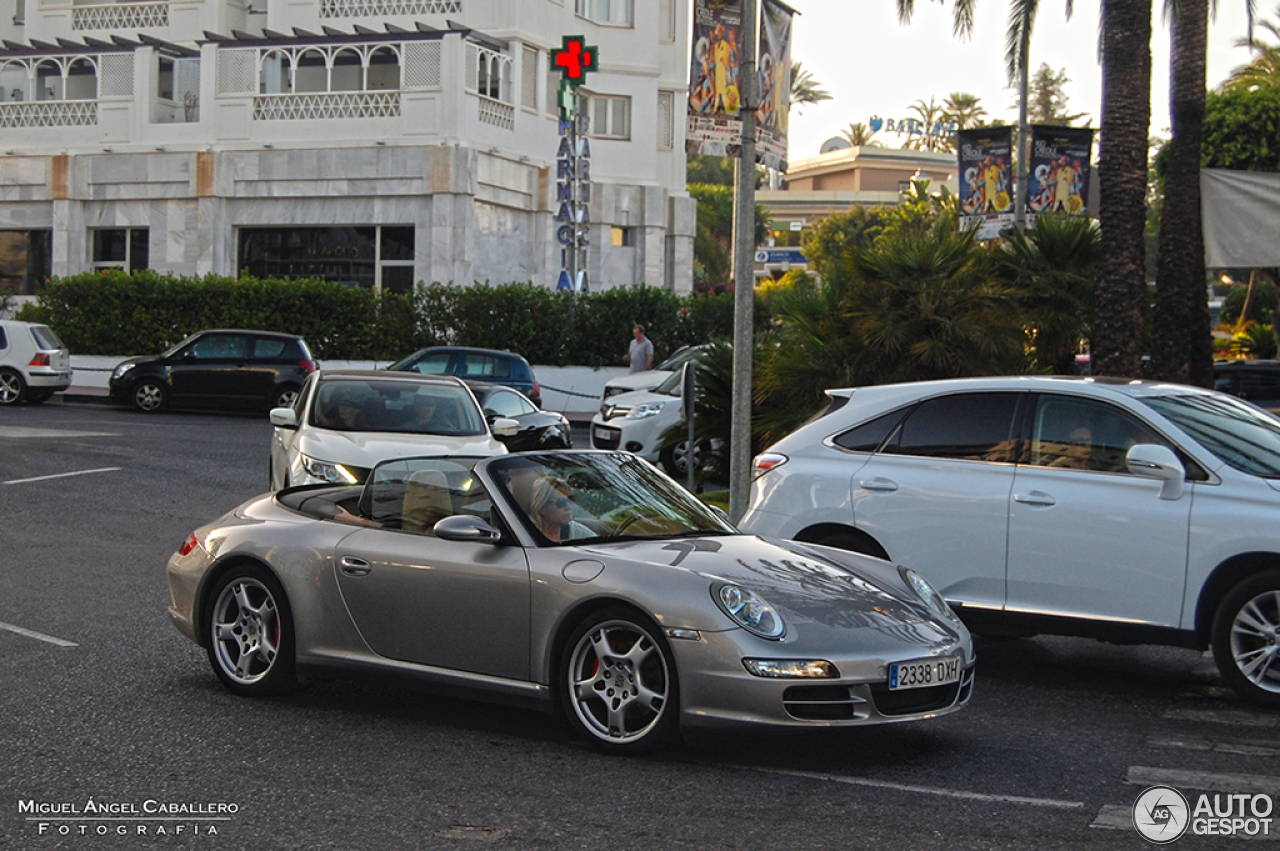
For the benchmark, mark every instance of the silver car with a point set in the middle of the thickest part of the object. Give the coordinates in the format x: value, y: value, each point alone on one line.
x: 579, y: 578
x: 34, y: 364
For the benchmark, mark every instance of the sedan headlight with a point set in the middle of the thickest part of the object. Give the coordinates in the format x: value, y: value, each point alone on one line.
x: 791, y: 668
x: 649, y: 409
x: 329, y: 471
x: 928, y: 594
x: 748, y: 610
x: 120, y: 370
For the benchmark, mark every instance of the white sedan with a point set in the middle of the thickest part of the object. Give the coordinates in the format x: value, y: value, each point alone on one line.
x: 345, y: 422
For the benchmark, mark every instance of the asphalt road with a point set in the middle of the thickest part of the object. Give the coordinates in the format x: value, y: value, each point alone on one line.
x: 102, y: 700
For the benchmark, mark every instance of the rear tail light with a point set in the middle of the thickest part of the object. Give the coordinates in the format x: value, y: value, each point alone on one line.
x: 188, y: 545
x: 537, y: 391
x: 308, y: 365
x: 766, y: 461
x: 41, y: 359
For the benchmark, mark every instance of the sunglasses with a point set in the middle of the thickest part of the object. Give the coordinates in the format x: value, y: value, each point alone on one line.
x: 561, y: 502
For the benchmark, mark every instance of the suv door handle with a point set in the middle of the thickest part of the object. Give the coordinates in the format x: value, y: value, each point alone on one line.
x: 352, y: 566
x: 878, y: 484
x: 1037, y: 498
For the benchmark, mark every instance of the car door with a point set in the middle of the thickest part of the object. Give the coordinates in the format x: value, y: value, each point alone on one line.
x: 936, y: 495
x: 207, y: 372
x: 1086, y: 537
x: 421, y: 599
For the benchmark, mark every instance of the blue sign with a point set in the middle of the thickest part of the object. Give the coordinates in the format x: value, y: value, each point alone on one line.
x: 781, y: 255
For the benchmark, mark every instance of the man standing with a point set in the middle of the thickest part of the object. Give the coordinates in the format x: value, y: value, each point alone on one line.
x: 641, y: 354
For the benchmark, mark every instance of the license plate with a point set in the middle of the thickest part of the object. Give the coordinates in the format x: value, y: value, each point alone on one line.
x: 602, y: 433
x: 923, y: 673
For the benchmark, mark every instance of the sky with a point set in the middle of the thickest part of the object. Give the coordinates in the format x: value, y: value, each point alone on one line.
x: 874, y: 66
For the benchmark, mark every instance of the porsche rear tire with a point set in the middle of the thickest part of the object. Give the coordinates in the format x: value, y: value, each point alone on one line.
x: 618, y: 683
x: 251, y: 634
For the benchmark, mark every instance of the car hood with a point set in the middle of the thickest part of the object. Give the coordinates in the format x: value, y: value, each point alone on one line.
x: 820, y: 593
x: 633, y: 381
x: 634, y: 399
x: 366, y: 449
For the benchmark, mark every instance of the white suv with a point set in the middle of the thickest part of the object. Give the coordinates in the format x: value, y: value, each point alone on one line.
x: 33, y: 362
x: 1128, y: 511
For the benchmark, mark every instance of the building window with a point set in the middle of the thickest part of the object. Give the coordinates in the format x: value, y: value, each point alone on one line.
x: 610, y: 116
x: 24, y: 260
x: 529, y: 68
x: 666, y: 121
x: 126, y: 249
x: 375, y: 257
x: 621, y: 237
x: 613, y: 12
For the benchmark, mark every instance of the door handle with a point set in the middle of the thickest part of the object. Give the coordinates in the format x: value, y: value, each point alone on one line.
x: 352, y: 566
x: 1037, y: 498
x: 878, y: 484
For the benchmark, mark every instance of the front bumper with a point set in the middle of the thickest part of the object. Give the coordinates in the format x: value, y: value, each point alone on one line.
x: 717, y: 692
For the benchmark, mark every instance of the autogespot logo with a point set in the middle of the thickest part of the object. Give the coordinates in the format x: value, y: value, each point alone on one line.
x: 1160, y: 814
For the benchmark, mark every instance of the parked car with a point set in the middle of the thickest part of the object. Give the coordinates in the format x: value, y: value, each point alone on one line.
x: 345, y: 421
x: 649, y: 379
x: 34, y: 364
x: 635, y: 422
x: 537, y: 428
x: 652, y: 616
x: 1131, y: 511
x: 488, y: 365
x: 1256, y: 381
x: 222, y: 369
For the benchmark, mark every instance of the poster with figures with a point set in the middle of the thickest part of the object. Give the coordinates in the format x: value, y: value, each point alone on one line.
x: 1060, y: 169
x: 986, y: 179
x: 774, y: 67
x: 715, y: 127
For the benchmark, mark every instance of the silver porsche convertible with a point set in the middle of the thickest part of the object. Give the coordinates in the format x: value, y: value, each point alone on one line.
x: 585, y: 580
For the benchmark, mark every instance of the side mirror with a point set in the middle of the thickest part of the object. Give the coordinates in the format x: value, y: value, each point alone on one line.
x: 504, y: 427
x: 466, y: 527
x: 284, y: 418
x: 1158, y: 462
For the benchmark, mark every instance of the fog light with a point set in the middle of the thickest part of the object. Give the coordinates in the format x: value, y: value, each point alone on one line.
x: 791, y: 668
x: 634, y: 446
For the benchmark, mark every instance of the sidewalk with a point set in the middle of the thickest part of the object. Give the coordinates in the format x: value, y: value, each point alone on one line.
x: 572, y: 390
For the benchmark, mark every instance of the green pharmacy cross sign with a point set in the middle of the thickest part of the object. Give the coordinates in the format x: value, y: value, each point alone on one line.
x: 573, y: 60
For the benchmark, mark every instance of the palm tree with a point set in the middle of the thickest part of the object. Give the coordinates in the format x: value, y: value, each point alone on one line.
x: 963, y: 109
x: 1180, y: 345
x: 926, y: 140
x: 859, y: 134
x: 1265, y: 67
x: 805, y: 89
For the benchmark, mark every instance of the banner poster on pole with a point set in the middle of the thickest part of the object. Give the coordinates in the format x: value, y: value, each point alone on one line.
x: 986, y: 179
x: 774, y: 86
x: 1059, y: 170
x: 715, y: 128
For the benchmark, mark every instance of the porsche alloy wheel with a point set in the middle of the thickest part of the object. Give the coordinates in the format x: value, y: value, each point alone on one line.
x: 251, y: 633
x: 1246, y: 638
x: 620, y: 683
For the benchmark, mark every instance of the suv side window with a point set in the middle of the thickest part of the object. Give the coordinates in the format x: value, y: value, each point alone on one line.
x: 1082, y: 434
x: 485, y: 366
x: 436, y: 363
x: 218, y: 346
x: 868, y: 436
x: 969, y: 426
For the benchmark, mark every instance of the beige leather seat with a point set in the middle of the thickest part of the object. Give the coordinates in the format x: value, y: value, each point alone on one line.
x: 426, y: 501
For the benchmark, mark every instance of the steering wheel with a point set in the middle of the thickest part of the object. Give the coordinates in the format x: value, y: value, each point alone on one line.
x: 654, y: 520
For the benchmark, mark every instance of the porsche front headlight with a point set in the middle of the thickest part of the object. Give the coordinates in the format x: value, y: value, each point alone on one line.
x: 329, y: 471
x: 748, y: 610
x: 928, y: 594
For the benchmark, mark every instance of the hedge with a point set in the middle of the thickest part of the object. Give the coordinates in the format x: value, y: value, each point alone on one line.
x: 115, y: 313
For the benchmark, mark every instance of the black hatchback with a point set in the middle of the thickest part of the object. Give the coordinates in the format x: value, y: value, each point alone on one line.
x: 490, y: 366
x: 224, y: 369
x: 1256, y: 381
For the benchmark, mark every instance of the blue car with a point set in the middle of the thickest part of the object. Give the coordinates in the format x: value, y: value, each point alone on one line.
x: 488, y: 365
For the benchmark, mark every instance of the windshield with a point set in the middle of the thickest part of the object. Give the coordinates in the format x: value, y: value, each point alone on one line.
x: 678, y: 357
x: 354, y: 404
x: 576, y: 498
x: 1242, y: 436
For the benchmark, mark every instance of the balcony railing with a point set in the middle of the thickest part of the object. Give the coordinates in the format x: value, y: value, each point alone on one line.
x: 497, y: 113
x: 55, y: 113
x: 116, y: 16
x: 301, y: 107
x: 388, y: 8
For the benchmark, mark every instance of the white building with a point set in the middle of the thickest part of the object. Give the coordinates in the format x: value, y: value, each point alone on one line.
x: 381, y: 142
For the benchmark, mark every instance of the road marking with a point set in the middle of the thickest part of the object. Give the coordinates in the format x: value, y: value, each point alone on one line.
x: 1225, y: 716
x: 24, y: 432
x: 63, y: 475
x: 39, y: 636
x: 925, y: 790
x: 1238, y: 748
x: 1140, y: 775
